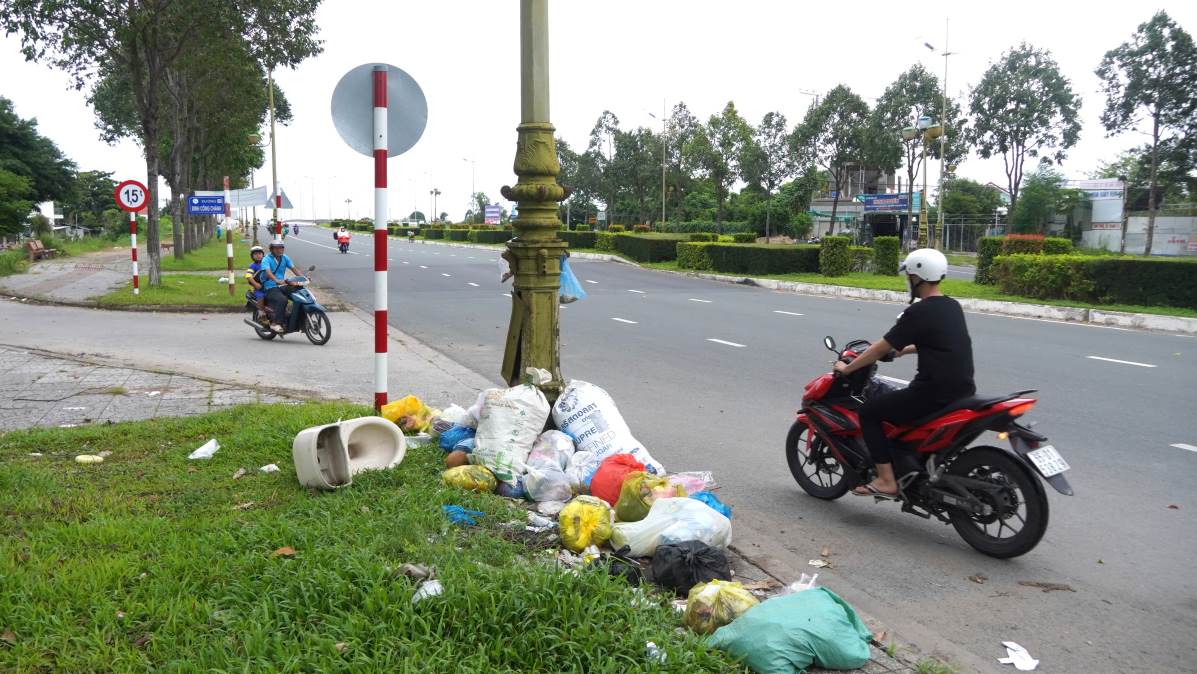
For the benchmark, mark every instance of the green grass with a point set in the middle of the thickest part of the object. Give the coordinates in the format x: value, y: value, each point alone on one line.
x: 212, y: 256
x: 178, y: 290
x: 962, y: 259
x: 151, y: 562
x: 13, y: 262
x: 930, y: 666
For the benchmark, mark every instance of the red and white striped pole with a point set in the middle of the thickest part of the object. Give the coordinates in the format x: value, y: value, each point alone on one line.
x: 380, y: 235
x: 133, y: 248
x: 228, y: 232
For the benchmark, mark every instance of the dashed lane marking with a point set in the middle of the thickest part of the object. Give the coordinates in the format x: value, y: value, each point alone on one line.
x: 1181, y: 445
x: 444, y: 274
x: 1122, y: 362
x: 787, y: 313
x: 693, y: 299
x: 638, y: 292
x: 624, y: 320
x: 423, y: 267
x: 726, y: 343
x: 472, y: 284
x: 594, y: 282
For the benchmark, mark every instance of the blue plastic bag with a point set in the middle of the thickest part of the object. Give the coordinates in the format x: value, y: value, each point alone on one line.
x: 466, y: 445
x: 453, y: 436
x: 461, y: 516
x: 713, y: 501
x: 571, y: 289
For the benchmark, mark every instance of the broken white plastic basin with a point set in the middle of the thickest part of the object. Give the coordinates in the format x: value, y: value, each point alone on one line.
x: 327, y: 457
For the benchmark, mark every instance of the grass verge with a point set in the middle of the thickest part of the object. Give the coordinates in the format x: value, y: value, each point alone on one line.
x: 151, y: 562
x: 212, y: 256
x: 177, y: 290
x: 13, y: 262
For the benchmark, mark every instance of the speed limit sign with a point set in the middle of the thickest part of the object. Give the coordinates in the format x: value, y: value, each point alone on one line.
x: 131, y: 196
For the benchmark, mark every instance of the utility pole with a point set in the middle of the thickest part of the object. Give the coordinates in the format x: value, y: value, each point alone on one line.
x: 535, y: 253
x: 943, y: 138
x: 664, y: 145
x: 277, y: 200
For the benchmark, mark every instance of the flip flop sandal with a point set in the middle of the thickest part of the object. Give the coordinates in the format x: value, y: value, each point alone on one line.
x: 870, y: 490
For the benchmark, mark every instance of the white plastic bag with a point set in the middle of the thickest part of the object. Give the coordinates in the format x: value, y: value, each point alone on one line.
x: 508, y: 424
x: 581, y: 466
x: 672, y: 520
x: 588, y: 414
x: 552, y: 450
x: 547, y: 484
x: 475, y: 410
x: 456, y: 415
x: 206, y: 450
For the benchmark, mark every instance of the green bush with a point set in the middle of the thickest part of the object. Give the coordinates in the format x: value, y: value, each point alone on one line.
x: 1099, y: 280
x: 990, y: 247
x: 648, y: 247
x: 615, y: 228
x: 752, y: 258
x: 885, y: 255
x: 578, y: 240
x: 703, y: 236
x: 1054, y: 245
x: 835, y: 258
x: 458, y: 234
x: 605, y: 241
x: 700, y: 226
x: 744, y: 237
x: 434, y: 233
x: 13, y: 261
x: 490, y: 235
x: 641, y: 228
x: 581, y: 228
x: 862, y: 258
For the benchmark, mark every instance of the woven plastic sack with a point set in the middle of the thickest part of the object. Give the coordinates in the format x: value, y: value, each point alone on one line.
x: 794, y: 631
x: 716, y: 603
x: 638, y: 492
x: 552, y: 450
x: 584, y: 521
x: 473, y: 478
x: 588, y: 414
x: 681, y: 566
x: 672, y: 520
x: 508, y: 425
x: 608, y: 479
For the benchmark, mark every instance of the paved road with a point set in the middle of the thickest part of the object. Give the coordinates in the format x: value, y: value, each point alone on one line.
x: 709, y: 374
x: 962, y: 272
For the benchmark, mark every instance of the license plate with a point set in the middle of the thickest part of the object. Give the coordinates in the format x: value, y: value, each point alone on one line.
x: 1048, y: 461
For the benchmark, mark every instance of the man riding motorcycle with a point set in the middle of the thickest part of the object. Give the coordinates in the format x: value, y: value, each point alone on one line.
x: 342, y: 238
x: 934, y: 328
x: 274, y: 270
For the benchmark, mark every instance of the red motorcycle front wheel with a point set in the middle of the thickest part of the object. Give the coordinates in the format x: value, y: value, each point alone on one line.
x: 813, y: 466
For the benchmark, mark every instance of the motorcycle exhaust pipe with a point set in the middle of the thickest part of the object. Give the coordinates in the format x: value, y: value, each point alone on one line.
x: 255, y: 326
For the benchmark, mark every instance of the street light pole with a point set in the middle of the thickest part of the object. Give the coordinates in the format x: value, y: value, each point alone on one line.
x: 943, y: 137
x: 278, y: 228
x: 348, y: 215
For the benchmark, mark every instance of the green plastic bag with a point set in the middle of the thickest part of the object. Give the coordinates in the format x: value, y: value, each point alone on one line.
x: 638, y: 492
x: 787, y: 634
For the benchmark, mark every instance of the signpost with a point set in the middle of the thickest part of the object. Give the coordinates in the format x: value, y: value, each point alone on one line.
x: 379, y: 111
x: 205, y: 205
x: 492, y: 214
x: 228, y: 233
x: 131, y: 197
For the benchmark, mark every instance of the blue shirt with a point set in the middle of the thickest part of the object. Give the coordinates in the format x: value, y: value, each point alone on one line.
x: 252, y: 273
x: 278, y: 267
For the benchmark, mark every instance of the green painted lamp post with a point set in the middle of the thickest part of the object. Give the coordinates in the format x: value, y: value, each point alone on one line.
x: 926, y: 131
x: 535, y: 251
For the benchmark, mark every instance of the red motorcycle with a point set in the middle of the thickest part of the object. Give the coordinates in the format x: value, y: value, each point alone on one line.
x: 991, y: 495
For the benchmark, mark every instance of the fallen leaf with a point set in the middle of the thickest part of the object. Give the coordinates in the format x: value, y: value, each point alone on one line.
x: 825, y: 552
x: 1047, y: 587
x: 1173, y: 507
x: 8, y: 636
x: 819, y: 563
x: 979, y: 579
x: 142, y: 640
x: 340, y: 646
x: 285, y: 551
x: 244, y: 506
x: 239, y: 474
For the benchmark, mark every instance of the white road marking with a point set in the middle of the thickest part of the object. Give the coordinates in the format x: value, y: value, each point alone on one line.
x: 444, y: 274
x: 470, y: 257
x: 698, y: 300
x: 1123, y: 362
x: 472, y: 284
x: 405, y: 262
x: 638, y: 292
x: 594, y: 282
x: 1181, y: 445
x: 452, y: 254
x: 624, y: 320
x: 423, y: 267
x: 506, y: 294
x: 787, y: 313
x: 726, y: 343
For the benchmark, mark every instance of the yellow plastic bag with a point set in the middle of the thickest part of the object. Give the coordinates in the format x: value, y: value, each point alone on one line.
x: 638, y: 492
x: 584, y: 521
x: 474, y: 478
x: 713, y: 604
x: 410, y: 414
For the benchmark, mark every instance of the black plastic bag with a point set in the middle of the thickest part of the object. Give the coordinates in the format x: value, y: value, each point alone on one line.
x: 681, y: 566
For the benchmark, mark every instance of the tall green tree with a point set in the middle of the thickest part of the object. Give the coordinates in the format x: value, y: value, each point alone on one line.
x: 637, y: 169
x: 769, y: 161
x: 970, y: 200
x: 679, y: 130
x: 717, y: 151
x: 25, y: 152
x: 1152, y: 75
x: 16, y: 202
x: 1175, y: 180
x: 1043, y: 198
x: 834, y: 134
x: 90, y: 195
x: 602, y: 159
x: 1024, y: 107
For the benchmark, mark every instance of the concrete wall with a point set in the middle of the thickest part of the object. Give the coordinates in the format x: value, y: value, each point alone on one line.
x: 1173, y: 235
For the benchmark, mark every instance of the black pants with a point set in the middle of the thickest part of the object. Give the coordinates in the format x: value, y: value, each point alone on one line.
x: 897, y: 407
x: 276, y: 299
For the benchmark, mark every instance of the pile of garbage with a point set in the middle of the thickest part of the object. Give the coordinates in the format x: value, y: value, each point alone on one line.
x: 615, y: 505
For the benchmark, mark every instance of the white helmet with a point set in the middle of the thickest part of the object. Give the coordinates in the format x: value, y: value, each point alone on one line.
x: 926, y: 263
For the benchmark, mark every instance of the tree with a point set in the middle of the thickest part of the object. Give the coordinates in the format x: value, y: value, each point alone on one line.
x: 679, y: 130
x: 1024, y: 107
x: 769, y: 161
x: 90, y: 195
x: 1174, y: 179
x: 16, y: 202
x: 970, y: 200
x: 27, y: 153
x: 602, y: 158
x: 717, y: 151
x: 416, y: 216
x: 1154, y: 73
x: 833, y: 135
x: 1043, y: 198
x: 636, y: 169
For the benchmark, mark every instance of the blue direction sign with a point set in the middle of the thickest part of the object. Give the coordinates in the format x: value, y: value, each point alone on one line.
x: 205, y: 205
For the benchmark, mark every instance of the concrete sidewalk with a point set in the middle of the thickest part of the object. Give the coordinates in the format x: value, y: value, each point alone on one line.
x: 73, y: 279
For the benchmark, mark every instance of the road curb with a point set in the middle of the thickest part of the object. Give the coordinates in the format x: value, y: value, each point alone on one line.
x: 138, y: 308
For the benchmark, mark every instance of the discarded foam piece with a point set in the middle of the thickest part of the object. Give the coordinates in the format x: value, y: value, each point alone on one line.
x: 327, y: 457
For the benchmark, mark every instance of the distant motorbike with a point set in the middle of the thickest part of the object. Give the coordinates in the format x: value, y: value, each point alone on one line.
x: 991, y: 495
x: 304, y: 314
x: 343, y: 245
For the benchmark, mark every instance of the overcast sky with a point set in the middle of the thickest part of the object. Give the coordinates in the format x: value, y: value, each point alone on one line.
x: 622, y: 55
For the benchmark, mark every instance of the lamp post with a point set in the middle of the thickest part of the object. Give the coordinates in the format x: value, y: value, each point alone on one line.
x: 348, y: 215
x: 925, y: 130
x: 664, y: 146
x: 434, y: 192
x: 535, y: 252
x: 470, y: 201
x: 278, y: 228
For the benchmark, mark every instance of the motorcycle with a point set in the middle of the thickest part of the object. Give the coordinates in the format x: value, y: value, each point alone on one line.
x: 343, y: 245
x: 306, y: 314
x: 993, y: 496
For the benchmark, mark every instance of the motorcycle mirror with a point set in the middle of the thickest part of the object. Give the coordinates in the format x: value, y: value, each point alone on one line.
x: 829, y: 343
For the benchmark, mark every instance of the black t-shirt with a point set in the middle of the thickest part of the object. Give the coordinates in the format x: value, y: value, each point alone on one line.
x: 935, y: 325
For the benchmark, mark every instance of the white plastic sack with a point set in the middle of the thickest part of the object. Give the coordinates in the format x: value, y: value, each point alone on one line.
x: 588, y: 414
x: 669, y: 521
x: 547, y: 484
x: 508, y: 424
x: 552, y: 450
x: 456, y: 415
x: 581, y: 466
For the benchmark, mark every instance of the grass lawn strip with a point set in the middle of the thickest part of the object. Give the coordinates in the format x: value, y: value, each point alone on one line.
x: 177, y: 290
x: 152, y: 562
x: 212, y: 256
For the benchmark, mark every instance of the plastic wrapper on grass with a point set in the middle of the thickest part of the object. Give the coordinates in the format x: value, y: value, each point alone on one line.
x: 584, y: 521
x: 716, y: 603
x: 473, y: 478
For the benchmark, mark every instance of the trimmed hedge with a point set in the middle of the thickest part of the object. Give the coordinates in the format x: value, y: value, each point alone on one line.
x: 615, y: 228
x: 434, y: 233
x: 641, y: 228
x: 862, y: 258
x: 458, y: 235
x: 1099, y: 279
x: 648, y: 248
x: 704, y: 236
x: 691, y: 227
x: 605, y: 241
x: 578, y: 239
x: 581, y: 228
x: 744, y: 237
x: 885, y: 255
x: 490, y: 235
x: 752, y: 258
x: 835, y: 256
x: 989, y: 247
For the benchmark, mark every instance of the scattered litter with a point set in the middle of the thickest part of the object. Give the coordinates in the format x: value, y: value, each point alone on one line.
x: 1173, y: 507
x: 205, y: 450
x: 409, y: 414
x: 120, y: 615
x: 716, y: 603
x: 1019, y: 657
x: 151, y: 394
x: 416, y: 571
x: 429, y: 588
x: 285, y: 551
x: 89, y: 458
x: 805, y: 582
x: 825, y: 552
x: 340, y: 646
x: 462, y: 517
x: 104, y: 454
x: 239, y: 474
x: 244, y: 506
x: 68, y: 425
x: 584, y: 521
x: 713, y: 501
x: 36, y: 454
x: 653, y: 653
x: 979, y: 579
x: 1047, y: 587
x: 681, y: 566
x: 547, y: 484
x: 142, y: 640
x: 537, y: 523
x: 8, y: 637
x: 608, y: 480
x: 550, y: 508
x: 269, y: 468
x: 638, y: 493
x: 819, y: 563
x: 694, y: 481
x: 473, y: 478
